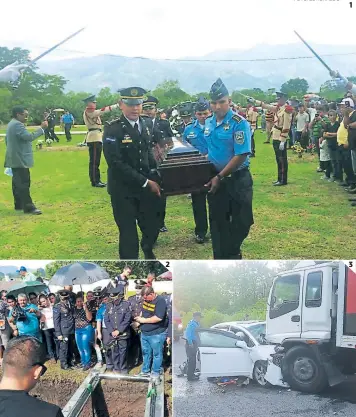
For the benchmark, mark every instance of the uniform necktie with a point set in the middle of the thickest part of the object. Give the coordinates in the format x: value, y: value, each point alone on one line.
x: 136, y: 127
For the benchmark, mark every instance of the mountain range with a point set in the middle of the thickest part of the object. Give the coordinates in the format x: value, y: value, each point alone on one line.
x: 90, y: 74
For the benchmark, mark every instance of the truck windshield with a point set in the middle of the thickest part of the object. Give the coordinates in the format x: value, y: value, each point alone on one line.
x: 285, y: 295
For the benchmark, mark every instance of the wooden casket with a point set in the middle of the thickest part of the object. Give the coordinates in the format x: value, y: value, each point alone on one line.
x: 184, y: 170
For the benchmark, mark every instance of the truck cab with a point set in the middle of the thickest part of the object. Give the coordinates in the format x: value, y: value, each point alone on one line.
x: 311, y: 318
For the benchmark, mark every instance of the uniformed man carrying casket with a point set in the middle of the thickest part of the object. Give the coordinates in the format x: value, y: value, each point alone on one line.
x: 93, y: 122
x: 149, y: 113
x: 282, y: 123
x: 135, y: 351
x: 228, y: 140
x: 132, y: 176
x: 115, y: 338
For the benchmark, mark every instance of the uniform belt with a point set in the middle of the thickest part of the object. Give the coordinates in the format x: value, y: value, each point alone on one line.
x: 92, y: 130
x: 278, y: 128
x: 237, y: 173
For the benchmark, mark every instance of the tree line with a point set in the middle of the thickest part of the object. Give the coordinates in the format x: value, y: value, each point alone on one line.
x: 39, y: 91
x: 224, y: 292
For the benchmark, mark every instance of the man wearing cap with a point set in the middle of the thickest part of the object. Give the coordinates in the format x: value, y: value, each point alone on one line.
x: 136, y: 309
x: 185, y: 112
x: 64, y: 329
x: 228, y: 139
x: 164, y: 124
x: 194, y: 134
x: 25, y: 275
x: 251, y: 117
x: 92, y: 120
x: 191, y: 346
x: 149, y: 113
x: 132, y: 171
x: 117, y: 321
x: 282, y: 124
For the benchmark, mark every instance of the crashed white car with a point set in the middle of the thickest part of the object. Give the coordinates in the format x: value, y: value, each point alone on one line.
x: 234, y: 349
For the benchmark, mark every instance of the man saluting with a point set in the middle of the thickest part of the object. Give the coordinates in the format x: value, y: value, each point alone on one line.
x: 135, y: 197
x: 94, y: 140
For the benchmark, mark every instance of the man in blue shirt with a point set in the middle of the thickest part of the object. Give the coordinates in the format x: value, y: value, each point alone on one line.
x: 68, y: 122
x: 194, y: 134
x: 191, y: 346
x: 228, y: 139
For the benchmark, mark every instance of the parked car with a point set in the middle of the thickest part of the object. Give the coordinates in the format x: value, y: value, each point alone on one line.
x: 234, y: 349
x: 177, y: 325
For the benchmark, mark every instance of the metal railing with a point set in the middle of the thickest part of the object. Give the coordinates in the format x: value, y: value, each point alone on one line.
x: 154, y: 400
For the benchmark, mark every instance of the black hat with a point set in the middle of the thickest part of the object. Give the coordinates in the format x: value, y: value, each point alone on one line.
x: 279, y: 94
x: 150, y: 102
x: 185, y: 109
x: 96, y: 289
x: 63, y: 293
x: 90, y: 99
x: 116, y: 292
x: 132, y: 95
x: 197, y: 314
x: 140, y: 283
x: 202, y: 104
x: 218, y: 90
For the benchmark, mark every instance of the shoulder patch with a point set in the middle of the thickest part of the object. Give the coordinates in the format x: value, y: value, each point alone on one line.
x: 237, y: 118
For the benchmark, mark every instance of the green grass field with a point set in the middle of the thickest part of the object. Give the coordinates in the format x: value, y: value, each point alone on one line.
x: 308, y: 219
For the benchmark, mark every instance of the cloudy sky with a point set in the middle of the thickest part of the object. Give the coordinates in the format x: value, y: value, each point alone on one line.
x: 168, y: 29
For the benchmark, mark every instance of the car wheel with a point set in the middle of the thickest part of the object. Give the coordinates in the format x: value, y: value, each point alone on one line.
x: 303, y: 370
x: 259, y: 372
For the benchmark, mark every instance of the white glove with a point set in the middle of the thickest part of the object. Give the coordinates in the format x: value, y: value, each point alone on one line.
x: 282, y: 146
x: 12, y: 72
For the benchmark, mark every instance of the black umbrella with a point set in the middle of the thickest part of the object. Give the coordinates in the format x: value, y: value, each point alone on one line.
x: 79, y: 273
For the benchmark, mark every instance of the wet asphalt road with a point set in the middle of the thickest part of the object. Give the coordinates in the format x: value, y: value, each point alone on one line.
x: 204, y: 399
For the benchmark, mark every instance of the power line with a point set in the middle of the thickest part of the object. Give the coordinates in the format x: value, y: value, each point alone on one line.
x: 206, y: 60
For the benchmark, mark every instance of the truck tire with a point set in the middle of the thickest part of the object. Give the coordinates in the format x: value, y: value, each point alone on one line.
x: 302, y: 370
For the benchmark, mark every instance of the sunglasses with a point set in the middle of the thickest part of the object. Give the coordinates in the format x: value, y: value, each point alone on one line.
x: 43, y: 370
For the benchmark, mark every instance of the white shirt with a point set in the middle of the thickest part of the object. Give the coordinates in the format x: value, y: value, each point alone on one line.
x: 312, y: 113
x: 29, y: 277
x: 48, y: 313
x: 132, y: 123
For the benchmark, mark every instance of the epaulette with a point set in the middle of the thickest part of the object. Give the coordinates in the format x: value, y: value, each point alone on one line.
x: 237, y: 118
x: 190, y: 123
x: 289, y: 109
x: 110, y: 122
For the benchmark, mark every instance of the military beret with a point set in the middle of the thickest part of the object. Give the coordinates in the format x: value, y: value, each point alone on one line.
x: 90, y: 99
x: 218, y: 90
x: 132, y: 95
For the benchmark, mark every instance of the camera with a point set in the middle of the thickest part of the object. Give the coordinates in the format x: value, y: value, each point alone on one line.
x: 18, y: 314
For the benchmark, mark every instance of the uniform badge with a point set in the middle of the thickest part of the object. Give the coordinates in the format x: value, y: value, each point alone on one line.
x: 127, y: 139
x: 206, y: 131
x: 134, y: 92
x: 239, y: 137
x: 191, y: 135
x: 227, y: 126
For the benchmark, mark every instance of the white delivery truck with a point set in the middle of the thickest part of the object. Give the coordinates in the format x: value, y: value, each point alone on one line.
x: 311, y: 320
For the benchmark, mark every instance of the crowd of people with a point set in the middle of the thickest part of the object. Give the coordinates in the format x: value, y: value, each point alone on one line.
x: 102, y: 326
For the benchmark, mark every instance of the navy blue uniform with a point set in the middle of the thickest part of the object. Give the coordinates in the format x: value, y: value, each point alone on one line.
x: 64, y: 326
x: 131, y: 163
x: 230, y: 208
x: 194, y: 134
x: 135, y: 351
x: 117, y: 317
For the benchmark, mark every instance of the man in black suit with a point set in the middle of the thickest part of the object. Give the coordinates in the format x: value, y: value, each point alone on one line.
x: 132, y: 176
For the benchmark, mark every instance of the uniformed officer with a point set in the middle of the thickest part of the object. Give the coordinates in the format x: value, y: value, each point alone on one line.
x: 282, y: 123
x: 93, y: 122
x: 132, y: 176
x: 251, y: 117
x: 50, y: 117
x: 185, y: 112
x: 191, y: 345
x: 136, y: 309
x: 164, y: 124
x: 117, y: 322
x: 149, y: 113
x: 194, y: 134
x: 228, y: 138
x: 64, y: 329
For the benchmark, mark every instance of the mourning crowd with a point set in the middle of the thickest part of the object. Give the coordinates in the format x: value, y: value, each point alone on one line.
x: 102, y: 326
